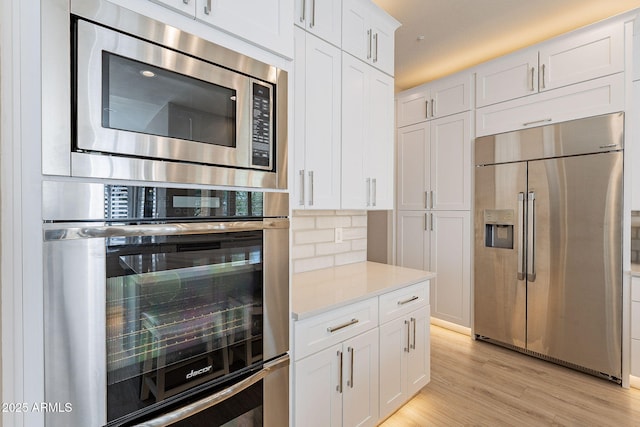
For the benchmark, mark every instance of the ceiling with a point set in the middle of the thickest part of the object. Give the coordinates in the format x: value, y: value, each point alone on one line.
x: 459, y: 34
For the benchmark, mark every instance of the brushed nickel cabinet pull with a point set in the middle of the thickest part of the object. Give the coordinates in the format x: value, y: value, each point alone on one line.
x: 207, y: 8
x: 301, y: 201
x: 339, y: 386
x: 407, y: 301
x: 342, y: 326
x: 533, y: 70
x: 304, y: 10
x: 536, y: 122
x: 352, y: 351
x: 413, y: 322
x: 406, y: 349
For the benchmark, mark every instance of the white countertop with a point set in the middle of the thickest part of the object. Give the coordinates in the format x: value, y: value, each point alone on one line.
x: 317, y: 291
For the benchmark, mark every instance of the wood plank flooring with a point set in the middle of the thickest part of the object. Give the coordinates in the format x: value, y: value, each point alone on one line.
x: 475, y: 383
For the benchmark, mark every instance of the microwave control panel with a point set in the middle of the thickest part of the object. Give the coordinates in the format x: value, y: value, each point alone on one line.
x: 261, y: 132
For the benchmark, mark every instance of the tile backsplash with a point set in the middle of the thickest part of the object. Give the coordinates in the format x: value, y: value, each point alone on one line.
x: 314, y: 239
x: 635, y: 237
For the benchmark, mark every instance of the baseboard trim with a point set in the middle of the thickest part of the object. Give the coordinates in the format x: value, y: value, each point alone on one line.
x: 634, y: 381
x: 451, y: 326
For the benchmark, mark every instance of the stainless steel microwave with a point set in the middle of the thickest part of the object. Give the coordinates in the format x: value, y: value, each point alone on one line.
x: 151, y: 102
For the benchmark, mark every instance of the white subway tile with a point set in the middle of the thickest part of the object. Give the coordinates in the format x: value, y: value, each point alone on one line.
x: 332, y: 248
x: 333, y: 221
x: 309, y: 264
x: 350, y: 257
x: 303, y: 251
x: 354, y: 233
x: 359, y: 221
x: 303, y: 223
x: 359, y: 245
x: 313, y: 236
x: 352, y: 212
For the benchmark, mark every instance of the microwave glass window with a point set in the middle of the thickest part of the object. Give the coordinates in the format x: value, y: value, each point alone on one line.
x: 180, y: 312
x: 142, y: 98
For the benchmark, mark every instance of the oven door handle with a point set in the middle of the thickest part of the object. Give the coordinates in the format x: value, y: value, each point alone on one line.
x: 87, y: 231
x: 207, y: 402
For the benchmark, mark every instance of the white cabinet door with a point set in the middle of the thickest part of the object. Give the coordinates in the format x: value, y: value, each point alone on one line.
x: 634, y: 147
x: 451, y: 261
x: 413, y: 243
x: 361, y: 386
x: 367, y: 137
x: 413, y: 107
x: 382, y: 40
x: 317, y: 124
x: 320, y: 17
x: 591, y: 98
x: 356, y: 32
x: 186, y: 7
x: 414, y: 163
x: 368, y: 33
x: 584, y: 55
x: 393, y: 365
x: 317, y: 393
x: 355, y: 185
x: 451, y: 95
x: 264, y: 22
x: 379, y: 152
x: 450, y: 166
x: 505, y: 78
x: 419, y: 355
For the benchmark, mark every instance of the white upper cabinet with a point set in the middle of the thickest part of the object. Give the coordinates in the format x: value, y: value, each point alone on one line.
x: 444, y: 97
x: 583, y: 55
x: 368, y: 33
x: 367, y: 137
x: 434, y: 164
x: 320, y: 17
x: 317, y: 123
x: 186, y: 7
x: 266, y: 23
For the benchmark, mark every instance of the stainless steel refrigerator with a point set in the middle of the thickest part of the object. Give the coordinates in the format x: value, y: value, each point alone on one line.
x: 547, y: 259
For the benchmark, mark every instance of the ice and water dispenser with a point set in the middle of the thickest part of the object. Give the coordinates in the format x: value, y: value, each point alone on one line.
x: 498, y: 225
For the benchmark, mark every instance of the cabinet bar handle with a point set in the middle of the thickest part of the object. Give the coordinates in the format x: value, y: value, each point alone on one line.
x: 207, y: 8
x: 426, y: 200
x: 407, y: 301
x: 374, y: 191
x: 310, y: 188
x: 304, y: 10
x: 433, y: 108
x: 536, y: 122
x: 413, y: 322
x: 375, y: 39
x: 352, y: 351
x: 301, y: 201
x: 533, y: 70
x: 426, y: 221
x: 313, y: 13
x: 342, y: 326
x: 339, y: 386
x: 369, y: 50
x: 406, y: 349
x: 426, y: 109
x: 543, y: 85
x: 368, y: 190
x: 185, y: 1
x: 431, y: 194
x: 431, y: 226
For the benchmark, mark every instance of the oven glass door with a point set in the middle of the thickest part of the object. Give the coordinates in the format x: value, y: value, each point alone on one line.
x: 181, y: 311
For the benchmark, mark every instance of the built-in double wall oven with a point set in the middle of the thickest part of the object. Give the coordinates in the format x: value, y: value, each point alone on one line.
x: 129, y: 97
x: 165, y: 306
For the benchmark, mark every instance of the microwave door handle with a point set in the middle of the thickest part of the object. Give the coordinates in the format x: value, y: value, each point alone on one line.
x: 209, y: 401
x: 521, y: 210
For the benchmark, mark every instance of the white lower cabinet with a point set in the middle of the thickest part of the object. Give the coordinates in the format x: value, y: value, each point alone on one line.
x: 404, y: 359
x: 356, y: 364
x: 339, y: 386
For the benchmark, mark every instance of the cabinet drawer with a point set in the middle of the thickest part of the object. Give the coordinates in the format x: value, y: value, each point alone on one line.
x: 324, y: 330
x: 635, y: 288
x: 635, y: 358
x: 402, y: 301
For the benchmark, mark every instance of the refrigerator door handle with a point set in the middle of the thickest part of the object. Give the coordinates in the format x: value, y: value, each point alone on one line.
x: 521, y: 210
x: 531, y: 236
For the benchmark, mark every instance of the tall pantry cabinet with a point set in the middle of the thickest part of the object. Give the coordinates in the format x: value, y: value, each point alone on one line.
x: 433, y: 230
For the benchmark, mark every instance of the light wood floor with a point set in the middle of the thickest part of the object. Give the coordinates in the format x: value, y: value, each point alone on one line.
x: 475, y: 383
